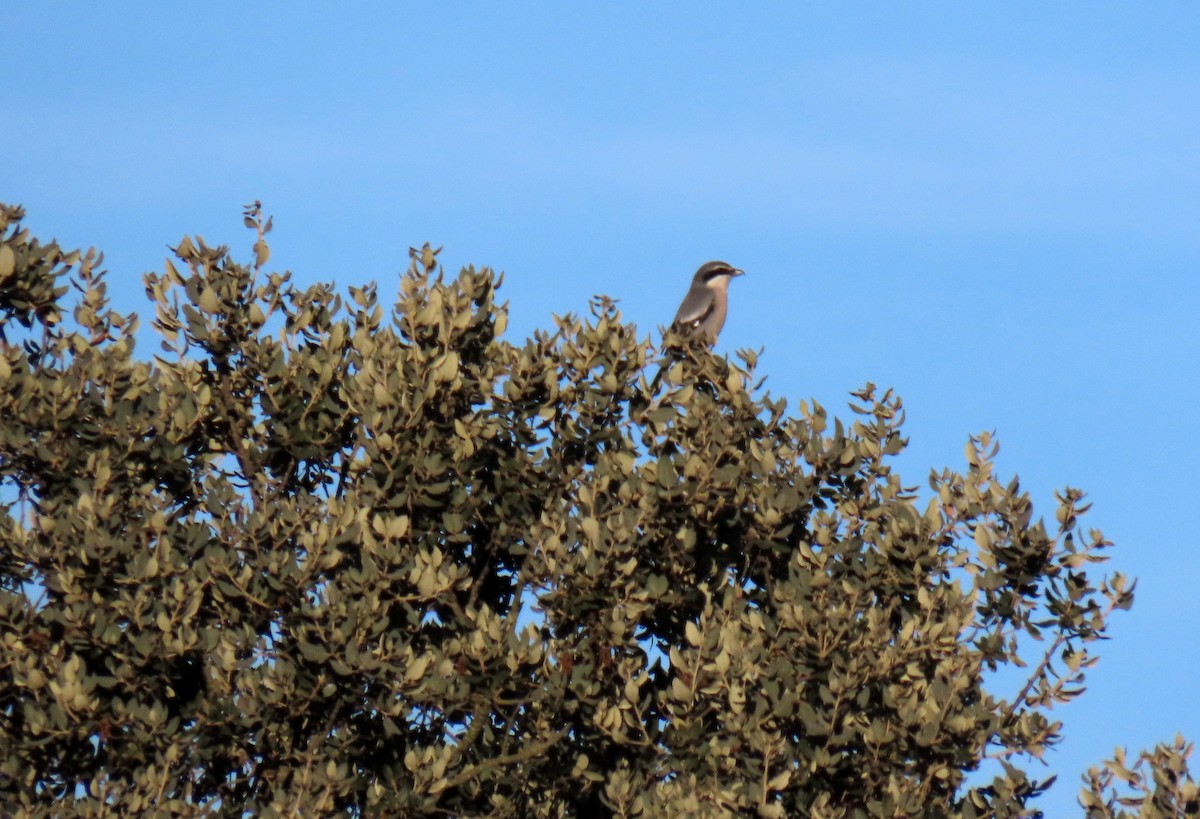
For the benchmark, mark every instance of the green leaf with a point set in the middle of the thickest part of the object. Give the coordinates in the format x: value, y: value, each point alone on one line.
x: 313, y: 653
x: 209, y: 302
x: 8, y: 262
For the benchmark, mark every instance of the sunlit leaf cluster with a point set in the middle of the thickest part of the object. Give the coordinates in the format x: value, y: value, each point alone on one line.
x: 315, y: 554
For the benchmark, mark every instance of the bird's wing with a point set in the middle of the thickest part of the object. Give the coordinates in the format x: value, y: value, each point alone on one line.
x: 697, y: 306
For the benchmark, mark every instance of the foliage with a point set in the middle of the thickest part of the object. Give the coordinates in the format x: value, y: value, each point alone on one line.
x: 1159, y: 785
x: 317, y: 557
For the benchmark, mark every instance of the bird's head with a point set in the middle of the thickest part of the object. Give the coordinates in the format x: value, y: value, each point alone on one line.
x: 716, y: 273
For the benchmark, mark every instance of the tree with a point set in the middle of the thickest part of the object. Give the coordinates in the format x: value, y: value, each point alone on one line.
x: 315, y: 557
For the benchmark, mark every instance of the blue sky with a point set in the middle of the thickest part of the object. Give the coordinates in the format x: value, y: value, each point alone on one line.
x: 992, y: 207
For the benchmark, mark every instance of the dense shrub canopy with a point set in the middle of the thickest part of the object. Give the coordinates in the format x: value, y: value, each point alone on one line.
x: 317, y: 556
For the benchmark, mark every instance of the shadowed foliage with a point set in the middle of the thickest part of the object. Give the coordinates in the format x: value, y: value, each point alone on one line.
x: 320, y: 557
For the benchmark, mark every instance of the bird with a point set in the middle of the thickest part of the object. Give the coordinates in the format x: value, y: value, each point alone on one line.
x: 702, y: 312
x: 706, y: 304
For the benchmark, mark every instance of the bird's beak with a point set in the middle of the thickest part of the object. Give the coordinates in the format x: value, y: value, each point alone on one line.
x: 737, y: 272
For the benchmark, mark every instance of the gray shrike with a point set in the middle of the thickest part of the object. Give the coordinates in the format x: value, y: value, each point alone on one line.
x: 707, y: 301
x: 702, y: 313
